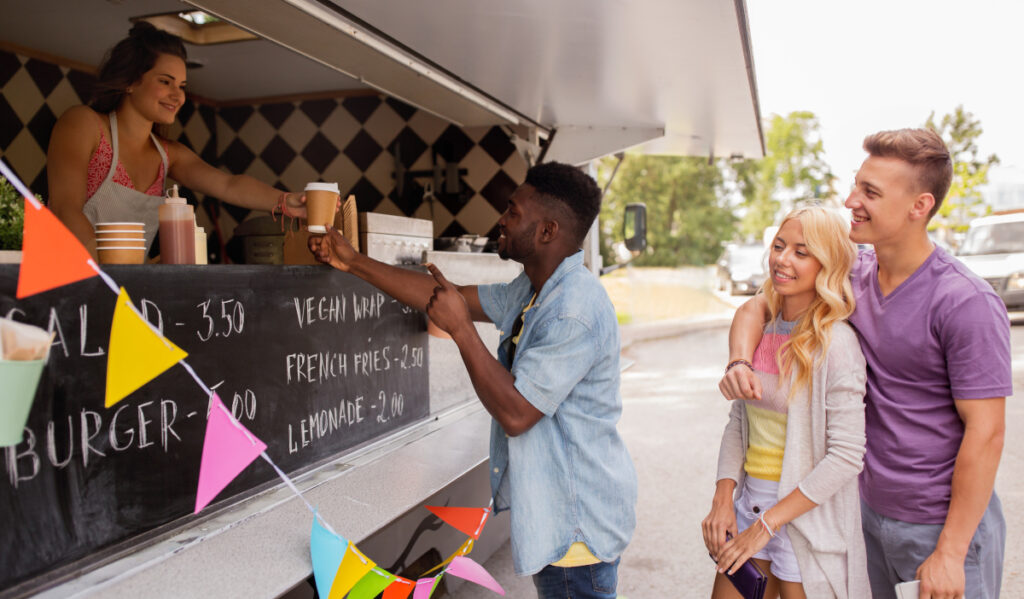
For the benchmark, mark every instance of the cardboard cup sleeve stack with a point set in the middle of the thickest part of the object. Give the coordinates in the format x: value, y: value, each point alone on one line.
x: 350, y: 222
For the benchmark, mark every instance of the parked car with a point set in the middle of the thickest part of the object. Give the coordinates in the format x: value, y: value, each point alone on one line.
x: 994, y: 249
x: 741, y: 269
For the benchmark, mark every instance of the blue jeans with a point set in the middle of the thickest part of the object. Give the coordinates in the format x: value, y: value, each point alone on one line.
x: 895, y: 550
x: 597, y: 581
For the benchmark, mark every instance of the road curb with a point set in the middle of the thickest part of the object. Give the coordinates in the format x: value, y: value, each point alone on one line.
x: 663, y: 329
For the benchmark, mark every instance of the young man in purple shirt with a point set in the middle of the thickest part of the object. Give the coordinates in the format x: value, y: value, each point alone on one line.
x: 936, y: 340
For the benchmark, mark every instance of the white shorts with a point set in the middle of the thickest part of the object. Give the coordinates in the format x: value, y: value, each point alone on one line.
x: 756, y: 496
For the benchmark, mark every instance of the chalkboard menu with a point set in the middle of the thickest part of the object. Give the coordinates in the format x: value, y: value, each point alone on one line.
x: 311, y: 360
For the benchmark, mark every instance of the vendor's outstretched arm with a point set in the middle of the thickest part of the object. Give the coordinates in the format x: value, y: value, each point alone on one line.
x: 412, y: 288
x: 740, y: 382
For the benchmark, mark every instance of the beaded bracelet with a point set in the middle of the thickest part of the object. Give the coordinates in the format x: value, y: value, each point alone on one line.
x: 282, y: 204
x: 737, y: 363
x: 771, y: 533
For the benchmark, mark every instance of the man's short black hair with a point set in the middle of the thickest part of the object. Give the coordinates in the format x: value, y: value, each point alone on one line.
x: 571, y: 189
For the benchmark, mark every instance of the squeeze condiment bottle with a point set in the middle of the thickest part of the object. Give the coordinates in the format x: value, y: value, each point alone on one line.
x: 177, y: 230
x: 200, y: 245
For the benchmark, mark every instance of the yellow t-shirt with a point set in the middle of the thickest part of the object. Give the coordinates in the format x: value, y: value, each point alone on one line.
x: 767, y: 418
x: 578, y: 555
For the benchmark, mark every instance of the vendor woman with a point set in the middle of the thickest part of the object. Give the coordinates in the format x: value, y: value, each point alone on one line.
x: 105, y: 163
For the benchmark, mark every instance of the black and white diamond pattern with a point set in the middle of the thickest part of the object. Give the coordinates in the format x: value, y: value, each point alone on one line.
x: 353, y: 140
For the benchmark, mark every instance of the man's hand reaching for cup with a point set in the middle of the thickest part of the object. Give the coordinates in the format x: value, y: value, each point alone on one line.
x: 332, y: 248
x: 447, y: 307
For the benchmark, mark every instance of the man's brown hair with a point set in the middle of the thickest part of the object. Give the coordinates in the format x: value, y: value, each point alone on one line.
x: 922, y: 148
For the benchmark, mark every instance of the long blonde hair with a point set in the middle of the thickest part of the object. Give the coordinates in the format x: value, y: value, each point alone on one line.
x: 826, y: 235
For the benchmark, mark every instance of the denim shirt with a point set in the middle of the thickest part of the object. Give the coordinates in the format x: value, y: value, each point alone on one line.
x: 569, y: 478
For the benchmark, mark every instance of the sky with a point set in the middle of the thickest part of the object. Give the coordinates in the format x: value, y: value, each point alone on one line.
x: 871, y: 65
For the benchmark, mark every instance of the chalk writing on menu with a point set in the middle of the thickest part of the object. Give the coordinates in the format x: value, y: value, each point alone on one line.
x: 312, y: 363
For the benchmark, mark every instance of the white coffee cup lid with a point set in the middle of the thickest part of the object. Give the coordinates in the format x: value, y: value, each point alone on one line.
x: 316, y: 229
x: 332, y: 187
x: 121, y: 248
x: 120, y: 223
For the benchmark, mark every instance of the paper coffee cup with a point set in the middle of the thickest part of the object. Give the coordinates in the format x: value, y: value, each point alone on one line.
x: 21, y: 378
x: 129, y: 233
x: 121, y: 254
x: 120, y: 226
x: 321, y: 206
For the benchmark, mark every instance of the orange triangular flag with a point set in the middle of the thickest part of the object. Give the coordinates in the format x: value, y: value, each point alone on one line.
x: 469, y: 520
x: 51, y: 255
x: 399, y: 589
x: 137, y: 354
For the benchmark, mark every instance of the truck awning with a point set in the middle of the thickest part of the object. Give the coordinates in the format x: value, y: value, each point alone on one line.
x: 594, y: 76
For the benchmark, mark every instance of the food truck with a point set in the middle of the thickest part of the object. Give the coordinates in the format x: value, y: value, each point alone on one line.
x: 428, y: 114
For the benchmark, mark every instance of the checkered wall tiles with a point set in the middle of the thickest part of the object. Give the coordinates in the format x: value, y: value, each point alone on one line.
x: 352, y: 140
x: 355, y: 141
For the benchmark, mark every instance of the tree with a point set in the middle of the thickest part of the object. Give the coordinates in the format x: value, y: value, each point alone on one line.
x: 687, y: 216
x: 964, y: 202
x: 793, y: 170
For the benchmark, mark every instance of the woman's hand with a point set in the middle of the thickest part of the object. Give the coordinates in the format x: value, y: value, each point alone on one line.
x: 294, y: 205
x: 719, y: 521
x: 742, y: 547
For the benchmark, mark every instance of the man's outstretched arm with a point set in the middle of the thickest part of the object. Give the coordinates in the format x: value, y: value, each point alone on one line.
x: 407, y: 286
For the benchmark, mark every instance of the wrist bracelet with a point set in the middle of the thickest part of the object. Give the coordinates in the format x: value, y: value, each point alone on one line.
x: 738, y: 362
x: 771, y: 533
x: 282, y: 204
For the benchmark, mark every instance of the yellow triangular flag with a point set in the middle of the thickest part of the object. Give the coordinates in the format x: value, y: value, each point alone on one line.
x: 462, y: 550
x: 137, y: 354
x: 353, y: 566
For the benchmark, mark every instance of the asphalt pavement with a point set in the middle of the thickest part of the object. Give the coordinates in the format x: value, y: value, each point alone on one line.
x: 672, y: 422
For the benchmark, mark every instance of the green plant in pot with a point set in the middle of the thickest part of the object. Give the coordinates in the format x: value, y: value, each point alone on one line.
x: 12, y: 216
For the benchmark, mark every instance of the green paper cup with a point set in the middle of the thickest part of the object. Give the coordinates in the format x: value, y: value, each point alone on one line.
x: 20, y: 381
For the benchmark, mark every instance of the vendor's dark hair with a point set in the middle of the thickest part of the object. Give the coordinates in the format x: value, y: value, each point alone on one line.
x: 127, y: 61
x: 576, y: 194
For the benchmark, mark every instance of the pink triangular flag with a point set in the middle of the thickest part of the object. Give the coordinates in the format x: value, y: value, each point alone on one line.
x: 466, y: 568
x: 228, y: 448
x: 51, y: 255
x: 425, y: 587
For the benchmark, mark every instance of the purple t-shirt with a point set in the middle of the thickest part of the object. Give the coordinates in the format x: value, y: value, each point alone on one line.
x: 942, y: 334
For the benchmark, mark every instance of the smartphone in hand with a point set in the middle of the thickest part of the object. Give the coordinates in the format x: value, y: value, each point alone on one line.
x: 908, y: 590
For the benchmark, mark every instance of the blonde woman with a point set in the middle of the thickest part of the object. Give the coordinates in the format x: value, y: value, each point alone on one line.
x: 786, y: 493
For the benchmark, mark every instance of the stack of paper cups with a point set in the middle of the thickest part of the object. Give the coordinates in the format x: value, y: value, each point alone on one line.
x: 121, y: 243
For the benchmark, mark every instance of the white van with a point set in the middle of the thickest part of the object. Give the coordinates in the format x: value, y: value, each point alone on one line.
x: 994, y: 249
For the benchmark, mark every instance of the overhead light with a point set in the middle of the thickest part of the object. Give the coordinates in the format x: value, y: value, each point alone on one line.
x: 197, y: 27
x: 197, y: 17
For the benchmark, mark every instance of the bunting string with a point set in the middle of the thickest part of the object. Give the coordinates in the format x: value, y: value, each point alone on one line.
x: 215, y: 475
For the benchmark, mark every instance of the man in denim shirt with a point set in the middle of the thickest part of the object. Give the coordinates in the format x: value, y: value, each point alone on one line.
x: 557, y: 460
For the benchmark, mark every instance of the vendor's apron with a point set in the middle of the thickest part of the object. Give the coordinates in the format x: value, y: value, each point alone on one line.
x: 114, y: 202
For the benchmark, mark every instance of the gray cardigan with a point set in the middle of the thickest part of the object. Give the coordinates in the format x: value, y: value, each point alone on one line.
x: 823, y: 455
